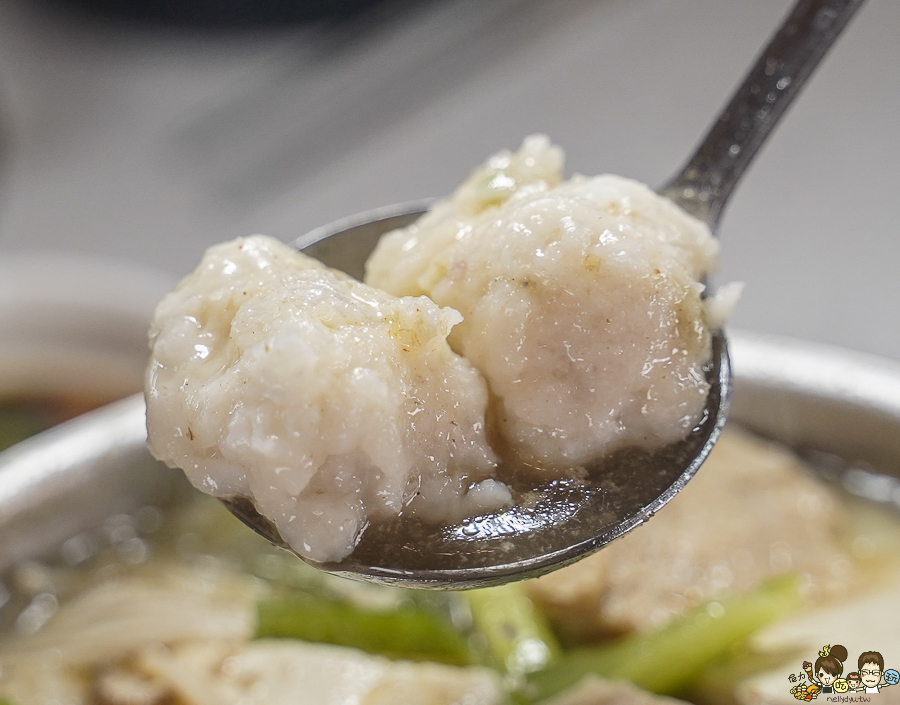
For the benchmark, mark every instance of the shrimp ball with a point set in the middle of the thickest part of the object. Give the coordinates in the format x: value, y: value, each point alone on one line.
x: 327, y: 402
x: 581, y: 303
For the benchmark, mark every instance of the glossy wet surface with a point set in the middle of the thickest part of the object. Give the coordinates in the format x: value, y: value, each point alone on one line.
x: 551, y: 524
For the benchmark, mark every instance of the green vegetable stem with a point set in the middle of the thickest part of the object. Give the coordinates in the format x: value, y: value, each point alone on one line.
x: 668, y: 660
x: 516, y: 635
x: 408, y: 632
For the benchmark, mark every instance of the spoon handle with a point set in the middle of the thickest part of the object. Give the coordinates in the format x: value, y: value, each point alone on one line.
x: 707, y: 180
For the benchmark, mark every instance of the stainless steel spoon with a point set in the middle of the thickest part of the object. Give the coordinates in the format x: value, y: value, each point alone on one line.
x: 565, y: 520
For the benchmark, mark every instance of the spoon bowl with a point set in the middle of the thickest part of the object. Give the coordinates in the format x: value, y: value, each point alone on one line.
x: 582, y: 509
x: 549, y: 525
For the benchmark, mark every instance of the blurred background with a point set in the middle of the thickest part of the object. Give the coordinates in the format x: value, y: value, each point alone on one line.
x: 141, y: 132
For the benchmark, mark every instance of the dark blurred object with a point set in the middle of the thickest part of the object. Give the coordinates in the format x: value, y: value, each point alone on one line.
x: 22, y: 417
x: 222, y: 13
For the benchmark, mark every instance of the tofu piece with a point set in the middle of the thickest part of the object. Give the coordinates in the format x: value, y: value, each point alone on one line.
x: 581, y: 303
x: 751, y: 512
x: 272, y: 672
x: 120, y: 616
x: 327, y: 402
x: 596, y: 691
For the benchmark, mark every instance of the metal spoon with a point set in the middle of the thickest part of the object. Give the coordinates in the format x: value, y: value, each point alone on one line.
x: 565, y: 520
